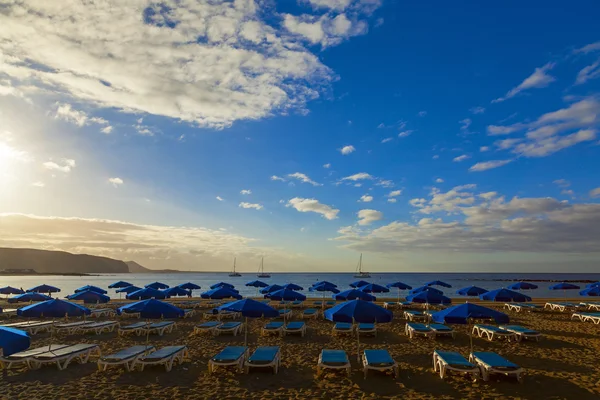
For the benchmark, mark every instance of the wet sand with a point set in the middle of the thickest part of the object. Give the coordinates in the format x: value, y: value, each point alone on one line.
x: 563, y: 365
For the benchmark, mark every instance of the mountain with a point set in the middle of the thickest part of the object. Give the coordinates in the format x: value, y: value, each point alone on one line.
x: 136, y: 268
x: 45, y: 261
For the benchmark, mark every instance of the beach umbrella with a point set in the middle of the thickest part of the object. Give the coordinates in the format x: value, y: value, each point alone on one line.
x: 589, y: 285
x: 358, y: 284
x: 426, y: 289
x: 522, y: 286
x: 189, y: 286
x: 28, y: 297
x: 591, y: 291
x: 271, y: 288
x: 400, y: 286
x: 222, y: 284
x: 354, y: 294
x: 466, y: 314
x: 285, y: 295
x: 44, y: 289
x: 564, y: 286
x: 324, y: 283
x: 53, y: 308
x: 176, y: 291
x: 157, y: 285
x: 471, y: 291
x: 146, y: 293
x: 250, y: 309
x: 92, y: 288
x: 373, y: 288
x: 10, y: 290
x: 128, y: 289
x: 428, y: 297
x: 292, y: 286
x: 438, y: 283
x: 119, y: 284
x: 324, y: 287
x: 13, y: 340
x: 152, y: 308
x: 257, y: 285
x: 90, y: 297
x: 504, y: 295
x: 359, y: 311
x: 221, y: 293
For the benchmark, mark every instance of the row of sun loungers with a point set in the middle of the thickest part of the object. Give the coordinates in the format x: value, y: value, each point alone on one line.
x: 520, y: 307
x: 561, y: 306
x: 482, y: 363
x: 587, y: 317
x: 591, y: 305
x: 147, y: 328
x: 283, y: 329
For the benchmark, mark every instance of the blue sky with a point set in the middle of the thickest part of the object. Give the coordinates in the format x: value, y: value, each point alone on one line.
x: 426, y: 135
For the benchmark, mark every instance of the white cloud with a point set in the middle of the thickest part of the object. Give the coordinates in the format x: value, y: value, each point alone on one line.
x: 65, y: 165
x: 245, y: 191
x: 590, y: 72
x: 205, y: 62
x: 219, y: 198
x: 507, y: 143
x: 589, y: 48
x: 595, y: 192
x: 394, y: 193
x: 144, y: 130
x: 464, y: 124
x: 483, y: 166
x: 107, y: 130
x: 326, y: 165
x: 367, y: 216
x: 435, y: 157
x: 67, y: 113
x: 303, y: 178
x: 251, y: 205
x: 387, y: 140
x: 313, y: 205
x: 439, y: 180
x: 405, y: 133
x: 461, y: 158
x: 563, y: 183
x: 277, y: 178
x: 483, y: 149
x: 539, y: 79
x: 326, y: 29
x: 116, y: 182
x: 392, y: 200
x: 422, y: 113
x: 358, y: 177
x: 365, y: 198
x: 385, y: 183
x: 38, y: 184
x: 338, y: 5
x: 347, y: 150
x: 357, y: 185
x: 477, y: 110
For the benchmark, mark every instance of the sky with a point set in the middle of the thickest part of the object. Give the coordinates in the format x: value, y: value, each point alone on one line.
x: 427, y: 135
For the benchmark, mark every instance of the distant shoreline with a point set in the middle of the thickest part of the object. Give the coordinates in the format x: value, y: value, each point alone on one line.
x: 45, y: 274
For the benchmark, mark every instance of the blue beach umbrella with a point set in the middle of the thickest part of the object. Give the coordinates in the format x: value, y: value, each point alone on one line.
x: 55, y: 308
x: 564, y: 286
x: 119, y: 284
x: 222, y: 284
x: 323, y: 287
x: 400, y: 286
x: 10, y: 290
x: 157, y: 285
x: 250, y: 309
x: 90, y: 297
x: 257, y: 284
x: 153, y: 309
x: 128, y: 289
x: 176, y: 291
x: 471, y: 291
x: 589, y: 285
x: 221, y: 293
x: 292, y: 286
x: 591, y: 291
x: 92, y: 288
x: 358, y: 284
x: 324, y: 283
x: 504, y: 295
x: 428, y: 297
x: 373, y: 288
x: 28, y: 297
x: 145, y: 294
x: 285, y: 295
x: 359, y: 311
x: 43, y: 289
x: 522, y: 286
x: 354, y: 294
x: 189, y: 286
x: 271, y: 288
x: 13, y: 340
x: 438, y: 283
x: 426, y: 289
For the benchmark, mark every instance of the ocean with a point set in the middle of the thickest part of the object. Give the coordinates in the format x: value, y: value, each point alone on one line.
x: 489, y: 281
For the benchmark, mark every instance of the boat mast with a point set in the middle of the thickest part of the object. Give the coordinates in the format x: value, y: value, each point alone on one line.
x: 234, y: 265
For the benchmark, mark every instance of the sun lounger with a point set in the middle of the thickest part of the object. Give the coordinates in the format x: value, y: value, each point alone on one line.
x: 275, y: 327
x: 390, y: 304
x: 442, y: 330
x: 160, y: 327
x: 188, y: 313
x: 17, y: 325
x: 379, y: 360
x: 330, y: 303
x: 285, y: 314
x: 283, y: 304
x: 333, y: 359
x: 63, y: 356
x: 210, y: 327
x: 522, y: 333
x: 127, y: 357
x: 229, y: 327
x: 413, y: 329
x: 342, y: 328
x: 98, y: 327
x: 137, y: 328
x: 413, y: 315
x: 167, y: 356
x: 222, y: 315
x: 297, y: 303
x: 444, y: 361
x: 23, y: 357
x: 492, y: 332
x: 318, y: 303
x: 586, y: 316
x: 519, y: 307
x: 229, y: 356
x: 70, y: 327
x: 102, y: 312
x: 589, y: 305
x: 264, y: 357
x: 265, y: 301
x: 310, y: 313
x: 366, y: 329
x: 37, y: 327
x: 8, y: 312
x: 294, y: 327
x: 492, y: 363
x: 562, y: 307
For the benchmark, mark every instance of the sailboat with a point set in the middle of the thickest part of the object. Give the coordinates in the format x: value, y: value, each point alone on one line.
x: 261, y: 270
x: 234, y: 273
x: 359, y: 272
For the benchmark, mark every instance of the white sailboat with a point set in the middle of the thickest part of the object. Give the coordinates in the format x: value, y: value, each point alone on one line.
x: 359, y: 272
x: 261, y: 270
x: 234, y: 273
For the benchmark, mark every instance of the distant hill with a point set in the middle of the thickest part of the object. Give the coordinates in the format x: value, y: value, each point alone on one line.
x: 45, y: 261
x: 136, y: 268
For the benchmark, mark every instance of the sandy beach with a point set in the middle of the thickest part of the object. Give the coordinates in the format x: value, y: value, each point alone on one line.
x: 563, y: 365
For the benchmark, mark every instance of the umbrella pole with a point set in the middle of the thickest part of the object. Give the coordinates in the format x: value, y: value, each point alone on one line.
x: 246, y: 334
x: 357, y: 341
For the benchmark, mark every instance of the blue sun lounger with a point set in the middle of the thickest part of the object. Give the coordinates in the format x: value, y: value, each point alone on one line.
x: 493, y: 363
x: 366, y: 329
x: 161, y: 327
x: 491, y: 332
x: 444, y: 361
x: 522, y: 333
x: 330, y: 303
x: 126, y: 357
x: 210, y: 327
x: 167, y: 356
x: 379, y: 360
x: 295, y: 327
x: 342, y: 328
x: 442, y: 330
x: 413, y: 315
x: 264, y: 357
x: 136, y: 328
x: 310, y: 313
x: 229, y: 356
x: 63, y: 356
x: 333, y: 359
x: 23, y: 357
x: 287, y: 313
x: 413, y: 329
x: 272, y: 327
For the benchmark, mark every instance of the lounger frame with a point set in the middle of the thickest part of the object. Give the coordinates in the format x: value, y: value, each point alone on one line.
x: 321, y: 365
x: 81, y: 356
x: 520, y: 336
x: 99, y: 327
x: 234, y: 330
x: 490, y: 335
x: 239, y: 363
x: 412, y: 332
x: 443, y: 366
x: 174, y: 359
x: 366, y: 367
x: 275, y: 363
x: 128, y: 363
x: 487, y: 370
